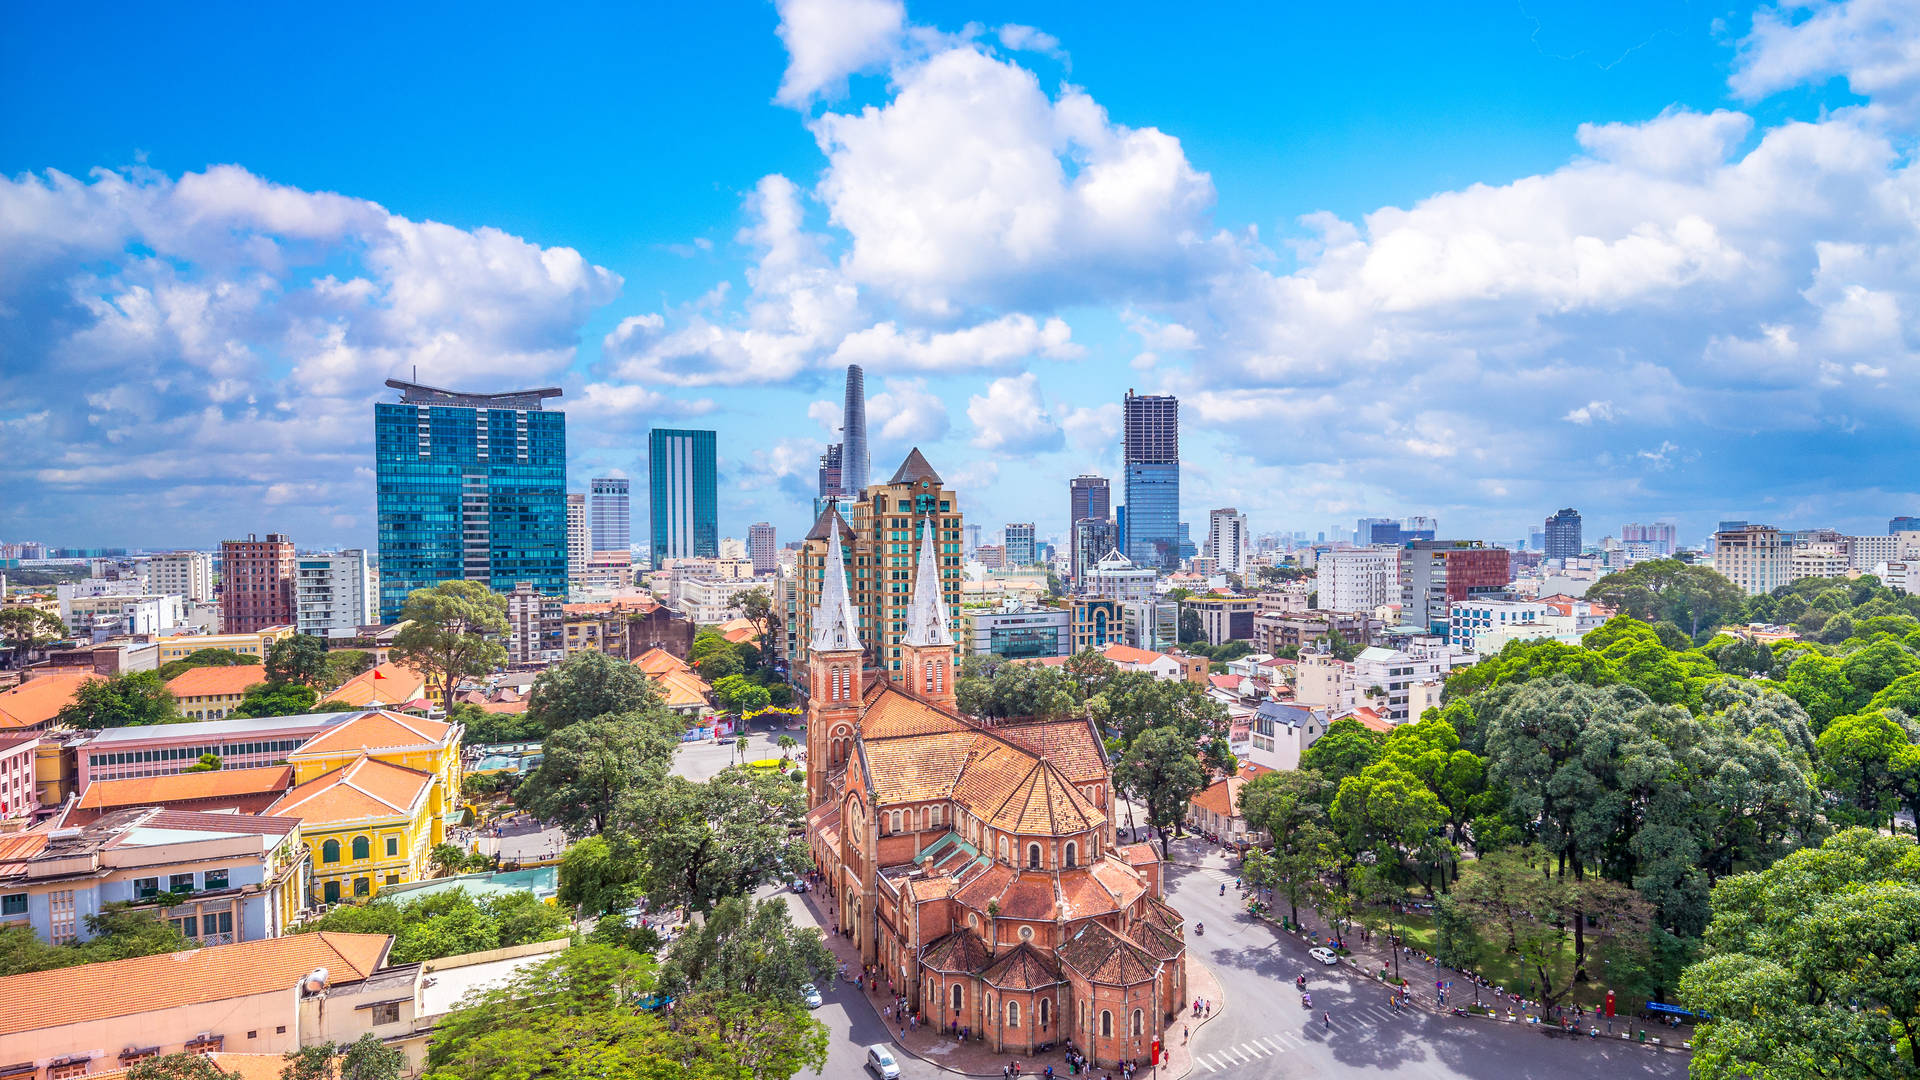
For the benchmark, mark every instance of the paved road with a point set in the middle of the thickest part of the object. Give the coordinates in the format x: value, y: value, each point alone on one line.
x: 702, y: 760
x: 1266, y: 1033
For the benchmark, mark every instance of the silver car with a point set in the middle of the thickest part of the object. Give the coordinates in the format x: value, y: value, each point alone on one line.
x: 811, y: 995
x: 880, y: 1060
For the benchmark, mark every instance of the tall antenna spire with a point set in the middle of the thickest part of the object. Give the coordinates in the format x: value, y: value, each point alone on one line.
x: 927, y: 623
x: 835, y: 627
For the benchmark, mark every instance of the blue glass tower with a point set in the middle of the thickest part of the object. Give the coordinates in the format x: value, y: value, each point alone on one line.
x: 1151, y: 427
x: 470, y: 487
x: 683, y: 506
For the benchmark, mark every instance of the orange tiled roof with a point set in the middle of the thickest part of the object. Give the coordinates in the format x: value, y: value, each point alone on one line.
x: 1040, y: 800
x: 1106, y: 958
x: 1223, y: 796
x: 1071, y: 745
x: 1161, y: 944
x: 1163, y: 915
x: 739, y: 630
x: 375, y: 732
x: 395, y: 684
x: 891, y: 714
x: 182, y: 787
x: 682, y: 689
x: 217, y: 681
x: 497, y: 707
x: 1371, y: 720
x: 1127, y: 654
x: 1138, y: 854
x: 35, y: 701
x: 960, y: 951
x: 146, y: 984
x: 368, y: 788
x: 1021, y: 968
x: 17, y: 848
x: 657, y: 661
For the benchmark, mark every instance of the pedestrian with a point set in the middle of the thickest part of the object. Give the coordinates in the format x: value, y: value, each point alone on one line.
x: 1326, y: 1019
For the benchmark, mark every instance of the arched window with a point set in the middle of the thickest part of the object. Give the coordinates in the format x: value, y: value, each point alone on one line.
x: 936, y: 815
x: 1003, y: 849
x: 362, y: 886
x: 330, y: 852
x: 1106, y: 1024
x: 1044, y: 1014
x: 893, y: 821
x: 362, y: 848
x: 925, y: 820
x: 1136, y: 1023
x: 940, y: 676
x: 1033, y: 856
x: 1013, y: 1014
x: 1073, y: 854
x: 957, y: 997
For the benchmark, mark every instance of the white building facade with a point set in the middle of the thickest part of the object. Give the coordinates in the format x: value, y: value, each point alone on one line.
x: 334, y: 594
x: 182, y: 573
x: 1359, y: 579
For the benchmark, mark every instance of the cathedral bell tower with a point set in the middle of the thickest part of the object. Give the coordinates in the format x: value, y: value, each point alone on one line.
x: 926, y: 650
x: 833, y: 672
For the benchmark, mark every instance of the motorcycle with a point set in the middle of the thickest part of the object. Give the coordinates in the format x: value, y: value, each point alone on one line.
x: 1200, y: 928
x: 1306, y: 1001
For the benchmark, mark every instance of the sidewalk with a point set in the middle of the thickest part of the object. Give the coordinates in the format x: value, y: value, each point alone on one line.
x: 976, y: 1058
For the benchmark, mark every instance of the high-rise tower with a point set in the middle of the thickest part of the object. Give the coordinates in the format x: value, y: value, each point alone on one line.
x: 1151, y: 430
x: 683, y: 507
x: 853, y: 435
x: 1563, y: 534
x: 470, y: 487
x: 612, y: 518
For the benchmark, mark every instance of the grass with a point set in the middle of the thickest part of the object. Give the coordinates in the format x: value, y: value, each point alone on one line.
x: 1502, y: 968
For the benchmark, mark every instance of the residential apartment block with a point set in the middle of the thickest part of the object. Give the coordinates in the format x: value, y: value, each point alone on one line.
x: 1755, y: 557
x: 182, y: 573
x: 335, y: 594
x: 256, y: 583
x: 1358, y: 579
x: 1436, y: 573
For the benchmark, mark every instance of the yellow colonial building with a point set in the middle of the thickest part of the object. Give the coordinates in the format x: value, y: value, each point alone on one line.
x: 374, y: 795
x: 255, y: 644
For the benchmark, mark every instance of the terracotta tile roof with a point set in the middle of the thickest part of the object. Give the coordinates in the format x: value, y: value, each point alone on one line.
x: 395, y: 684
x: 924, y: 890
x: 1163, y: 915
x: 1106, y: 958
x: 1029, y: 896
x: 960, y: 951
x: 918, y: 769
x: 33, y: 703
x: 1085, y: 897
x: 1127, y: 654
x: 1041, y: 802
x: 1021, y: 968
x: 1371, y: 720
x: 185, y: 787
x: 891, y: 714
x: 17, y: 848
x: 148, y: 984
x: 374, y: 732
x: 739, y: 630
x: 1223, y: 796
x: 985, y: 887
x: 367, y: 788
x: 1121, y: 881
x: 682, y: 689
x: 1225, y: 682
x: 1160, y: 944
x: 217, y: 681
x: 1072, y: 746
x: 1138, y: 854
x: 657, y: 661
x: 498, y: 707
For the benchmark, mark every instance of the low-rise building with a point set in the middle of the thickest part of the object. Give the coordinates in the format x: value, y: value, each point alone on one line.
x: 233, y: 791
x: 1225, y: 618
x: 1216, y: 809
x: 1277, y: 631
x: 1282, y: 732
x: 165, y: 749
x: 681, y: 688
x: 255, y: 644
x: 19, y: 790
x: 33, y: 704
x: 1468, y: 619
x: 210, y: 693
x: 219, y: 878
x: 1018, y: 631
x: 385, y: 684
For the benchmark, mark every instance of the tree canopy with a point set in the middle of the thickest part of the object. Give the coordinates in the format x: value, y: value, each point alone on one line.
x: 132, y: 700
x: 450, y: 633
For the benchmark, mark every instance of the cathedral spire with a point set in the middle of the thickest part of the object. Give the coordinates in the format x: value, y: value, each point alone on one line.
x: 835, y: 627
x: 927, y: 622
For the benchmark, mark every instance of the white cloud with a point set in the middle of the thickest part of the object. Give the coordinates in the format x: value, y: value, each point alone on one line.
x: 828, y: 40
x: 1012, y: 417
x: 1028, y: 39
x: 1871, y: 42
x: 907, y: 412
x: 1591, y: 412
x: 1002, y: 342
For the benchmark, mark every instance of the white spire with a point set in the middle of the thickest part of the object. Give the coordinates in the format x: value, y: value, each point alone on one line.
x: 835, y: 627
x: 927, y: 614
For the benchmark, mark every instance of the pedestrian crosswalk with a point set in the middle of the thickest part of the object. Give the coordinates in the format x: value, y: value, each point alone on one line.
x: 1272, y: 1046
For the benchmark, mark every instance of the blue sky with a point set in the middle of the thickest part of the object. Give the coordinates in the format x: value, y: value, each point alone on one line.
x: 1480, y: 261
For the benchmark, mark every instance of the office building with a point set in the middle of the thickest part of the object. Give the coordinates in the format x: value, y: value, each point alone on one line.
x: 335, y: 594
x: 829, y: 476
x: 1436, y: 573
x: 1151, y: 453
x: 1659, y: 536
x: 1093, y: 540
x: 1563, y: 534
x: 610, y: 515
x: 1363, y: 529
x: 1227, y: 540
x: 762, y: 548
x: 471, y: 487
x: 881, y: 534
x: 684, y: 506
x: 186, y: 574
x: 1018, y: 631
x: 1090, y: 498
x: 973, y: 537
x: 854, y: 462
x: 1904, y: 523
x: 1755, y: 557
x: 1358, y: 579
x: 256, y: 583
x: 1019, y: 543
x: 1225, y: 618
x: 579, y: 540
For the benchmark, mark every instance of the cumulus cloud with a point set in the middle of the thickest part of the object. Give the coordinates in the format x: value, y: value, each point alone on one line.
x: 1870, y: 42
x: 1590, y: 413
x: 1012, y: 417
x: 907, y: 412
x: 828, y: 40
x: 1007, y: 340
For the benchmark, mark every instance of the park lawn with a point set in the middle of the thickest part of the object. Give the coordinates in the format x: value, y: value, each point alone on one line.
x: 1502, y: 968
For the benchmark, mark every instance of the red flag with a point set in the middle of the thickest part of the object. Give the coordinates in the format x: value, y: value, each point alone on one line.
x: 377, y: 675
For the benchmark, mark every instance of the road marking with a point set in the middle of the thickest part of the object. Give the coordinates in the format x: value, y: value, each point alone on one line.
x: 1235, y: 1055
x: 1259, y: 1049
x: 1278, y: 1046
x: 1203, y: 1061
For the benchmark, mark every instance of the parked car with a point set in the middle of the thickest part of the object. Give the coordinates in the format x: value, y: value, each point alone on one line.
x: 799, y: 885
x: 880, y: 1060
x: 1324, y: 955
x: 811, y: 995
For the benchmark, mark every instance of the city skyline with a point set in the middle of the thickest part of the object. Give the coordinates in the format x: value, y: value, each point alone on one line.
x: 1691, y: 358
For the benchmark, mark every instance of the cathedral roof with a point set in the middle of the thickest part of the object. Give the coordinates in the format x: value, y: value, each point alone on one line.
x: 1072, y: 745
x: 1021, y: 968
x: 835, y: 627
x: 825, y: 522
x: 1163, y: 915
x: 891, y: 714
x: 1016, y: 791
x: 928, y: 624
x: 960, y: 951
x: 1108, y: 959
x: 914, y: 469
x: 1162, y: 945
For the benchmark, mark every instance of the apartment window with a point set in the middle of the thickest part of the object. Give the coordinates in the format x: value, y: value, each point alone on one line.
x: 330, y: 851
x: 189, y: 926
x: 13, y: 904
x: 216, y: 879
x: 60, y: 904
x: 216, y: 922
x: 393, y: 846
x: 387, y: 1012
x: 362, y: 886
x: 180, y: 883
x: 362, y: 849
x: 146, y: 888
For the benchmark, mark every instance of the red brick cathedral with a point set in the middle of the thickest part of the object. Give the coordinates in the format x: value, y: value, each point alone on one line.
x: 975, y: 861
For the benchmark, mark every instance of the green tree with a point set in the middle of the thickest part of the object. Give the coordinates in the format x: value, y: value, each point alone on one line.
x: 589, y: 765
x: 28, y: 629
x: 1135, y: 702
x: 1389, y: 811
x: 308, y: 1063
x: 599, y: 876
x: 1291, y: 809
x: 718, y: 665
x: 275, y: 699
x: 1693, y: 598
x: 568, y: 1010
x: 1820, y: 685
x: 1811, y: 969
x: 737, y: 694
x: 1515, y: 900
x: 344, y: 664
x: 207, y: 763
x: 747, y: 946
x: 179, y: 1067
x: 990, y: 686
x: 449, y: 923
x: 485, y: 727
x: 368, y: 1058
x: 1862, y: 757
x: 757, y: 607
x: 450, y: 633
x: 299, y: 658
x: 787, y: 745
x: 173, y: 669
x: 1090, y: 673
x: 703, y: 842
x: 132, y: 700
x: 1162, y: 770
x: 1191, y: 627
x: 1346, y: 749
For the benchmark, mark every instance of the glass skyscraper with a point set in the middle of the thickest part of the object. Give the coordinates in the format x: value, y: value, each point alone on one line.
x: 469, y: 487
x: 1151, y: 429
x: 683, y: 509
x: 612, y: 522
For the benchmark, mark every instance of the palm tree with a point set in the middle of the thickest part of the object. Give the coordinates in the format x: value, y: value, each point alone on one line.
x: 740, y: 748
x: 786, y: 744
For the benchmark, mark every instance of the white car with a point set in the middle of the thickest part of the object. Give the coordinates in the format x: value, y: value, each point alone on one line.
x: 811, y: 995
x: 880, y: 1060
x: 1324, y: 955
